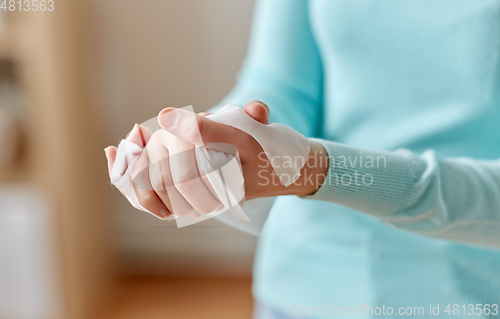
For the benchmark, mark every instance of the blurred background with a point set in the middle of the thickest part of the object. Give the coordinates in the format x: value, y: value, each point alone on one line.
x: 73, y: 81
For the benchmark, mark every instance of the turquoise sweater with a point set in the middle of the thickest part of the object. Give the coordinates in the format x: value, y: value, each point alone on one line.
x: 412, y: 87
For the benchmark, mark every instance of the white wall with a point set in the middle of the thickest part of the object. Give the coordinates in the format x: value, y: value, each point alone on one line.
x: 29, y: 286
x: 158, y: 53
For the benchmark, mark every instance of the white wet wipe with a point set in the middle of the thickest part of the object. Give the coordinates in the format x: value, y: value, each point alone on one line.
x: 286, y: 149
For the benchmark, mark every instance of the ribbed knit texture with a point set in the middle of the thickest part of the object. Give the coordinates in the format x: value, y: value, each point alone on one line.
x: 377, y: 77
x: 455, y: 199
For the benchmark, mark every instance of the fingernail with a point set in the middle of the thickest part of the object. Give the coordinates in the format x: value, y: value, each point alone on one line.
x: 195, y: 214
x: 164, y: 213
x: 264, y: 106
x: 168, y: 118
x: 221, y: 206
x: 106, y: 151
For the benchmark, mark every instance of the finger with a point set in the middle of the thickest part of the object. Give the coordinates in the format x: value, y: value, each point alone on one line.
x: 110, y: 152
x: 146, y: 196
x: 199, y: 130
x: 205, y: 114
x: 139, y: 135
x: 186, y: 177
x: 258, y: 110
x: 204, y: 170
x: 161, y: 178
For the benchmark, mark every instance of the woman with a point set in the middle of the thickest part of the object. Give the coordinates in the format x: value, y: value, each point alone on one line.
x: 369, y: 78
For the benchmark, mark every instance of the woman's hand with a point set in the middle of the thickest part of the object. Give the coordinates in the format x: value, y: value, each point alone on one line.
x: 166, y: 183
x: 260, y: 179
x: 140, y: 136
x: 165, y: 176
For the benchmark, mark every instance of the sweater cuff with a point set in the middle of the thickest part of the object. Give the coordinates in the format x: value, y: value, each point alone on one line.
x: 369, y: 181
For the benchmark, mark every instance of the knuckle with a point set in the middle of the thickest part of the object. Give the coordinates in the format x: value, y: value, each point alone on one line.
x: 244, y: 141
x: 157, y: 183
x: 140, y: 167
x: 198, y: 131
x: 147, y: 199
x: 155, y: 136
x: 194, y: 131
x: 184, y: 188
x: 141, y: 181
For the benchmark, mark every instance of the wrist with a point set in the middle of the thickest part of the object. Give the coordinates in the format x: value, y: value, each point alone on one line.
x: 314, y: 172
x: 312, y: 176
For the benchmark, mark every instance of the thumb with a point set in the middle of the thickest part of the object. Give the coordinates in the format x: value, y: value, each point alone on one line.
x: 258, y: 110
x: 197, y: 129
